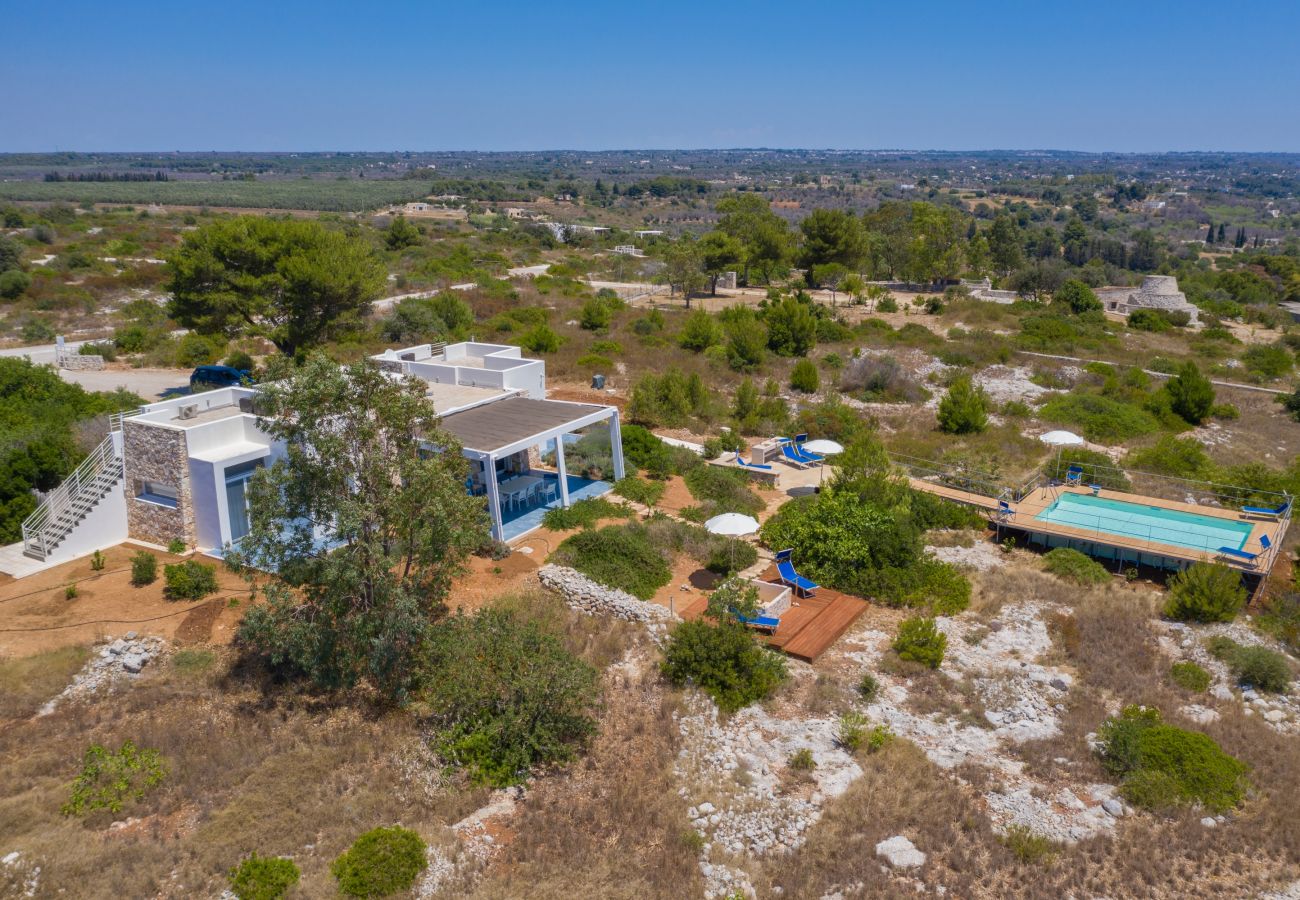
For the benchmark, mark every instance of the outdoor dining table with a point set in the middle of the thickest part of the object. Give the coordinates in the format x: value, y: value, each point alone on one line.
x: 518, y: 487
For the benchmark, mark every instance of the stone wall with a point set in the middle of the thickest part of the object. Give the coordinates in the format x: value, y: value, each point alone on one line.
x: 588, y: 596
x: 151, y: 453
x: 78, y: 362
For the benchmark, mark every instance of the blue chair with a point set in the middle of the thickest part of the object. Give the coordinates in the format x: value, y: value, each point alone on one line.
x: 758, y: 623
x: 1005, y: 511
x: 1276, y: 512
x: 1251, y: 559
x: 1074, y: 475
x: 752, y: 465
x: 785, y: 568
x: 1265, y: 543
x: 793, y: 457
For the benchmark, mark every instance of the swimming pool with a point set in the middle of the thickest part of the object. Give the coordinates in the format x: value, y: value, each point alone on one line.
x: 1146, y: 523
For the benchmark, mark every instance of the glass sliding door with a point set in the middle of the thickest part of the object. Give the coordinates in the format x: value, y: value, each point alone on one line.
x: 237, y: 478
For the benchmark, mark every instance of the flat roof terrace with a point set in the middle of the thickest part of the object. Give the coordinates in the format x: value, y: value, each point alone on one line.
x: 505, y: 423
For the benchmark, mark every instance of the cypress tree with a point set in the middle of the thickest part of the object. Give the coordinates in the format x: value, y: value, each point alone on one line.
x: 1220, y: 238
x: 1209, y: 234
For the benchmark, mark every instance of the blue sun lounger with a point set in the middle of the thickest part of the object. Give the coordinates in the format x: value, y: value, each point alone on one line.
x: 792, y: 456
x: 785, y: 568
x: 1251, y: 559
x: 752, y: 465
x: 758, y: 623
x: 1276, y: 512
x: 799, y: 441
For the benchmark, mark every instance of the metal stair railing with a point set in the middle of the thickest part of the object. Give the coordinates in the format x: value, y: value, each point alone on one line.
x: 69, y: 503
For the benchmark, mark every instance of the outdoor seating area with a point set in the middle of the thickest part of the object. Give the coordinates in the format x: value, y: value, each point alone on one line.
x: 537, y: 492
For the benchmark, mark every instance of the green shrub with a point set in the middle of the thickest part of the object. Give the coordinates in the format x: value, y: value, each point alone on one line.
x: 1028, y: 846
x: 1268, y: 361
x: 1190, y: 677
x: 176, y: 546
x: 723, y: 660
x: 1191, y: 396
x: 723, y: 490
x: 239, y: 359
x: 97, y: 561
x: 70, y: 592
x: 919, y: 640
x: 804, y: 378
x: 1072, y: 565
x: 643, y: 449
x: 1162, y: 766
x: 111, y: 778
x: 1263, y: 669
x: 868, y: 687
x: 505, y: 695
x: 1148, y: 320
x: 144, y: 568
x: 964, y: 409
x: 189, y: 580
x: 381, y: 862
x: 195, y: 349
x: 595, y: 362
x: 1103, y: 420
x: 802, y: 760
x: 619, y: 556
x: 263, y: 877
x: 1258, y: 667
x: 639, y: 490
x: 584, y: 514
x: 852, y: 731
x: 1179, y: 457
x: 1205, y: 592
x: 540, y: 339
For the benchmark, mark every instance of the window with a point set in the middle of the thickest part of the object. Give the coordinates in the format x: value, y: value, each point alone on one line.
x: 158, y: 492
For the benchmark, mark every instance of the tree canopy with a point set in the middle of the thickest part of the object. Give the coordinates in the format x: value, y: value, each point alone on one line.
x: 366, y: 520
x: 291, y: 281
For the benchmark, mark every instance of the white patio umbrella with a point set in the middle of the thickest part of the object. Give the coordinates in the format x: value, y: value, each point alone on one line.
x: 824, y: 447
x: 732, y: 525
x: 1060, y: 440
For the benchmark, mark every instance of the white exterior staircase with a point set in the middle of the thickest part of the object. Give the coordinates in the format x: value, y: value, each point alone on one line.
x: 67, y: 506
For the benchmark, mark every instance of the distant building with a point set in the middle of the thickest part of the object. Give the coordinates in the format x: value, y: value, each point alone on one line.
x: 1156, y: 292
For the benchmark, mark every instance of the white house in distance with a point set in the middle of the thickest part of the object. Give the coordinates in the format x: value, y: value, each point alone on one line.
x: 179, y: 469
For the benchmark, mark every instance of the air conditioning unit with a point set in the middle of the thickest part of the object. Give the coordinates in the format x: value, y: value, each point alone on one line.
x: 189, y: 411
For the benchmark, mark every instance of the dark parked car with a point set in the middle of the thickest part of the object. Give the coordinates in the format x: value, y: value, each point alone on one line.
x: 205, y: 378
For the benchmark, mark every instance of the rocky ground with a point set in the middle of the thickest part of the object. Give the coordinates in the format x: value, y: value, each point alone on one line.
x: 113, y: 663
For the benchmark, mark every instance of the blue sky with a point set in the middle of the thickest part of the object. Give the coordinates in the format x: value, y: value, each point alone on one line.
x: 290, y: 75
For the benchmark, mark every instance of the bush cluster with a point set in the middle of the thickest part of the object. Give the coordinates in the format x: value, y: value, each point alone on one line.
x: 919, y: 640
x: 189, y: 580
x: 620, y: 556
x: 722, y: 490
x: 1258, y: 667
x: 504, y: 695
x: 1161, y: 766
x: 1189, y: 676
x: 110, y: 778
x: 724, y: 660
x: 144, y: 568
x: 380, y: 862
x: 1205, y: 592
x: 1072, y: 565
x: 263, y: 877
x: 584, y: 514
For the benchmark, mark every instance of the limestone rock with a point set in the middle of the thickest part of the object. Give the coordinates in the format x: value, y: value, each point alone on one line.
x: 900, y: 853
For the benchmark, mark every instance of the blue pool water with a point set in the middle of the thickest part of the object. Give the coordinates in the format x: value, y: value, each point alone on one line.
x: 1146, y: 523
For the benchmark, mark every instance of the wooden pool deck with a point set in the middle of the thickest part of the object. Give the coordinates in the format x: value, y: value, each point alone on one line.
x: 1026, y: 510
x: 810, y: 625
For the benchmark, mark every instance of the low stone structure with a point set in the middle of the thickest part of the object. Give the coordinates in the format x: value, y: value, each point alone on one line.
x: 1159, y: 292
x: 588, y: 596
x: 120, y: 659
x: 78, y: 362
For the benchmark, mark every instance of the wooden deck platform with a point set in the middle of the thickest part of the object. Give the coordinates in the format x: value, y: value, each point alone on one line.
x: 810, y: 625
x: 1026, y: 511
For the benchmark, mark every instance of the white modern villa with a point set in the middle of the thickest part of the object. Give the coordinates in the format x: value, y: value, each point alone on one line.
x: 178, y: 469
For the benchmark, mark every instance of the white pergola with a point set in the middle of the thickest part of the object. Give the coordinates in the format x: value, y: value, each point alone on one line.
x: 496, y: 431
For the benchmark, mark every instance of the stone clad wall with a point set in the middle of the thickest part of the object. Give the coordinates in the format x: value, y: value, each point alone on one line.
x: 151, y: 453
x: 581, y: 593
x: 79, y: 362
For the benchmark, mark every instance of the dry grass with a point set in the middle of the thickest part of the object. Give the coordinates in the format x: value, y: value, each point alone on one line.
x: 247, y: 771
x: 26, y: 683
x: 613, y: 825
